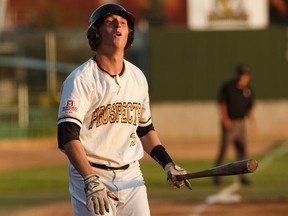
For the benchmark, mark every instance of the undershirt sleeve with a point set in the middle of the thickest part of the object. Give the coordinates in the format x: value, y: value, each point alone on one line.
x: 142, y: 131
x: 67, y: 131
x: 222, y: 95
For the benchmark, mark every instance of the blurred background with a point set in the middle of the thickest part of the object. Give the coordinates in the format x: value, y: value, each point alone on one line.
x: 186, y: 49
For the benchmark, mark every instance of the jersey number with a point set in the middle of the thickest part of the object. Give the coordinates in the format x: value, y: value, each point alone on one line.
x: 133, y: 137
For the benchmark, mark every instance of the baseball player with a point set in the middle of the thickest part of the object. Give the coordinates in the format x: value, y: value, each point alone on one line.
x: 236, y: 102
x: 105, y: 125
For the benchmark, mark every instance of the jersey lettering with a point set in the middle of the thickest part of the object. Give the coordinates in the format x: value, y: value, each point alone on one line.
x: 127, y: 113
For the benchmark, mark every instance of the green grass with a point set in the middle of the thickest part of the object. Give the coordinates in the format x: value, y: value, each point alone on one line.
x: 39, y: 186
x: 33, y: 180
x: 30, y: 187
x: 270, y: 181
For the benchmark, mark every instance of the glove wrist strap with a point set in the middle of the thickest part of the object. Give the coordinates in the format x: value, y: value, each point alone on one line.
x: 159, y: 154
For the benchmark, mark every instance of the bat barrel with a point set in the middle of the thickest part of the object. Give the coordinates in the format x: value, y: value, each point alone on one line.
x: 234, y: 168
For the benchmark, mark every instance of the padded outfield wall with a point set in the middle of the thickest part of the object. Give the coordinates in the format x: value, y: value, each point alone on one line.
x: 187, y: 65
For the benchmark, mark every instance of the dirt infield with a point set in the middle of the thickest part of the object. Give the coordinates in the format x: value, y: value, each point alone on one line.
x: 15, y: 154
x: 237, y: 209
x: 168, y: 208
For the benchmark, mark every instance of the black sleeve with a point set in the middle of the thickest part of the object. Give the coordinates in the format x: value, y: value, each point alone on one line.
x: 222, y: 94
x: 142, y: 131
x: 67, y: 131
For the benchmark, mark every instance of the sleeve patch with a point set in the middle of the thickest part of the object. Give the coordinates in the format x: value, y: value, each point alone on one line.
x: 70, y: 107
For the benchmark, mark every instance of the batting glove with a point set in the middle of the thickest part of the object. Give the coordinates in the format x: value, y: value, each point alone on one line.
x: 172, y: 171
x: 97, y: 195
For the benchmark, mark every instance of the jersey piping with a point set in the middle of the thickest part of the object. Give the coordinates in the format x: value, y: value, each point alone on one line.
x: 102, y: 70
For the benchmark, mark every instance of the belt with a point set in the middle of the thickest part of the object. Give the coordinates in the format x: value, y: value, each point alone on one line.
x: 102, y: 166
x: 237, y: 118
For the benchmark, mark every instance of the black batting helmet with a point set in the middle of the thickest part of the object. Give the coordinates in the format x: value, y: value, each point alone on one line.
x: 99, y: 15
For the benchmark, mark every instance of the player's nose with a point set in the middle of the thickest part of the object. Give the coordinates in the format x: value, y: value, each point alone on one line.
x: 117, y: 24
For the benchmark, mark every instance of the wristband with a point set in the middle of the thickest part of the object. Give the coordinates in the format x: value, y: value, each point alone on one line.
x: 159, y: 154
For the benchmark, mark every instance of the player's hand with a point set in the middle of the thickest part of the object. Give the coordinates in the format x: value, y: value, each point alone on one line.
x: 172, y: 171
x: 97, y: 195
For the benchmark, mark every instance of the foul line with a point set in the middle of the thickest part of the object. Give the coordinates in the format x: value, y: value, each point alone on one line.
x: 224, y: 195
x: 227, y: 192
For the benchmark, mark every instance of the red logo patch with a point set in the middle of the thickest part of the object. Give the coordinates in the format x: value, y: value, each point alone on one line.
x: 69, y: 108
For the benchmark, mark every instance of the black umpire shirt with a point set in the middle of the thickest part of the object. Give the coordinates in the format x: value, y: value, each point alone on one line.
x: 238, y: 101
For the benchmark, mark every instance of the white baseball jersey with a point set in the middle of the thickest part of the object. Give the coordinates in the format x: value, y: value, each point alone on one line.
x: 108, y: 109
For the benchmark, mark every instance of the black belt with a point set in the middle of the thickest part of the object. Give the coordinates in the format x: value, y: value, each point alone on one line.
x: 102, y: 166
x: 237, y: 119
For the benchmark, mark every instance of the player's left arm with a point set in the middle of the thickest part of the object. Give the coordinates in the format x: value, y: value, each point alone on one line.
x: 152, y: 146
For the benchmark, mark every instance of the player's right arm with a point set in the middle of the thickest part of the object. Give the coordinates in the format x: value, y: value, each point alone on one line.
x: 73, y: 106
x: 77, y: 157
x: 69, y: 141
x: 96, y: 192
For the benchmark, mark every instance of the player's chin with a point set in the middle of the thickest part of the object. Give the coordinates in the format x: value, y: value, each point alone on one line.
x: 119, y: 42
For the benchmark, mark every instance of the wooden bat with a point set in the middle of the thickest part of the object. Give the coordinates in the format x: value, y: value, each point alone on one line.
x: 234, y: 168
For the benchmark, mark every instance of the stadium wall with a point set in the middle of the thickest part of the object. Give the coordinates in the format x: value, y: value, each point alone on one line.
x: 187, y: 65
x: 186, y: 69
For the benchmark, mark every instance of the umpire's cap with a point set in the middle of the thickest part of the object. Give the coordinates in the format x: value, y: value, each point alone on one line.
x: 99, y: 15
x: 242, y: 69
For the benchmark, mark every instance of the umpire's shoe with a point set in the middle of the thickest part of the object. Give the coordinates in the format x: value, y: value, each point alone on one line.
x: 216, y: 180
x: 245, y: 181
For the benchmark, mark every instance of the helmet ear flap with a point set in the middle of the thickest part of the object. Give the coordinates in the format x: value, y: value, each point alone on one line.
x: 93, y: 38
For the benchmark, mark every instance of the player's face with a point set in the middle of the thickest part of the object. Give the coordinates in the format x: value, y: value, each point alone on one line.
x: 114, y: 32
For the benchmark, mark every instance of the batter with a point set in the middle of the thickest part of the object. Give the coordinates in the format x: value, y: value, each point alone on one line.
x: 105, y: 124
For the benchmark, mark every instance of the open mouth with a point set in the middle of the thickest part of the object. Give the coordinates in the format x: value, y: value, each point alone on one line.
x: 118, y: 34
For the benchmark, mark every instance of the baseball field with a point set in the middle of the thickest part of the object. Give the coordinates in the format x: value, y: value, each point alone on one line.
x: 33, y: 181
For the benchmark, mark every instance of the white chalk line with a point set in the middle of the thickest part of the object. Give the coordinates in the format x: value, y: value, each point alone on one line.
x: 276, y: 153
x: 228, y: 191
x: 223, y: 196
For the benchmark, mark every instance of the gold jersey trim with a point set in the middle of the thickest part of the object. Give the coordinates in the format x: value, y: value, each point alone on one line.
x: 102, y: 70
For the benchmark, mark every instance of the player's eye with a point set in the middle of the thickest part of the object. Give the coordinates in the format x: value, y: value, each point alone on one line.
x: 108, y: 22
x: 114, y: 21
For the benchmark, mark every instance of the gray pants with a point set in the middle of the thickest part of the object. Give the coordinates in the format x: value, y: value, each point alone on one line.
x: 235, y: 135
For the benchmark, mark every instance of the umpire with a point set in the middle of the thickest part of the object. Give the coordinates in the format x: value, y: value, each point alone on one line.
x: 236, y: 100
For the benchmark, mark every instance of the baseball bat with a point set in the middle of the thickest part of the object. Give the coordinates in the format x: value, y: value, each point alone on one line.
x: 234, y: 168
